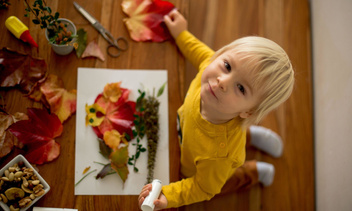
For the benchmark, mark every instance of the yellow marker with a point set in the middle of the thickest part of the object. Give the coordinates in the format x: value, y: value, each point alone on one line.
x: 20, y: 30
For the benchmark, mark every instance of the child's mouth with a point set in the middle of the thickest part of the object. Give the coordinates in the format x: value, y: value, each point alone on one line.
x: 211, y: 91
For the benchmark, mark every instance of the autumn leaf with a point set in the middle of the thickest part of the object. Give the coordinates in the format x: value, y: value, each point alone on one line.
x: 93, y: 50
x: 112, y: 91
x: 7, y: 139
x: 20, y: 69
x: 37, y: 134
x: 146, y: 19
x: 61, y: 101
x: 82, y: 42
x: 119, y: 159
x: 118, y: 116
x: 95, y: 115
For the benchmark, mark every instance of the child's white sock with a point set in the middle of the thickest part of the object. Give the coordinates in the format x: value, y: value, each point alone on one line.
x: 266, y: 140
x: 266, y: 172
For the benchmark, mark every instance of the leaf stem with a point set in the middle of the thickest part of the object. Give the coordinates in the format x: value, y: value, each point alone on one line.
x: 85, y: 177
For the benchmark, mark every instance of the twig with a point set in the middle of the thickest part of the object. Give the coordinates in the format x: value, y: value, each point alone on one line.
x: 85, y: 176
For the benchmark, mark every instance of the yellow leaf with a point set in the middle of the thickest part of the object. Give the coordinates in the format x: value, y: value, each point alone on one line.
x: 112, y: 91
x: 92, y: 118
x: 112, y: 139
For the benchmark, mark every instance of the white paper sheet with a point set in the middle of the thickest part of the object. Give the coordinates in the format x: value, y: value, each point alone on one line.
x: 90, y: 83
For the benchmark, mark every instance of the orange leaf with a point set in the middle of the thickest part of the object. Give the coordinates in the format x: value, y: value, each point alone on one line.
x: 112, y: 139
x: 146, y: 19
x: 61, y: 101
x: 112, y: 91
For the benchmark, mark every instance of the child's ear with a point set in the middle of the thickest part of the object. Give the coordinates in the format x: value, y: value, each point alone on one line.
x: 245, y: 114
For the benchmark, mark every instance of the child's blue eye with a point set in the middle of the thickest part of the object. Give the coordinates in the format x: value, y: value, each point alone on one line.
x: 241, y: 88
x: 227, y: 66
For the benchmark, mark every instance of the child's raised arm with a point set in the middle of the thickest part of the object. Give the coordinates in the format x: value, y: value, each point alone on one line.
x: 176, y: 23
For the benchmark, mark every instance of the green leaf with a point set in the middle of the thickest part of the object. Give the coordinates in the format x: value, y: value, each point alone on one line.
x: 48, y: 9
x: 56, y: 16
x: 143, y: 149
x: 81, y: 41
x: 161, y: 90
x: 135, y: 169
x: 35, y: 21
x: 119, y: 159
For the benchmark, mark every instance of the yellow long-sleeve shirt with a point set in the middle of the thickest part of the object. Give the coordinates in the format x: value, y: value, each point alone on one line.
x: 210, y: 153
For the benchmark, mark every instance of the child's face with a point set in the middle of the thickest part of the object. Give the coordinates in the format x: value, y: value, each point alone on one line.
x: 226, y: 87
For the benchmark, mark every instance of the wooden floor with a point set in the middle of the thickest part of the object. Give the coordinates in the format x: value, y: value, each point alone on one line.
x: 287, y: 22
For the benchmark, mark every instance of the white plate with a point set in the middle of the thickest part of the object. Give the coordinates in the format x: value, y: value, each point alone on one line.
x: 18, y: 159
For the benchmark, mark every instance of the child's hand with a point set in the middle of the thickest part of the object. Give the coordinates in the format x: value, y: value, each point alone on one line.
x: 159, y: 203
x: 176, y: 23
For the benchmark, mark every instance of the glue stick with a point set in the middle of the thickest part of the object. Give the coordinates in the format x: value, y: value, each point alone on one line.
x: 20, y: 30
x: 148, y: 203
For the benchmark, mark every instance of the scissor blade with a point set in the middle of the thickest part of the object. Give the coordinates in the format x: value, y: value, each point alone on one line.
x: 88, y: 16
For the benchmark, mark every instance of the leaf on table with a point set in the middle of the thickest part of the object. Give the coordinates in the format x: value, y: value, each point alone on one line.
x: 7, y: 140
x: 37, y: 134
x: 61, y: 101
x: 81, y: 41
x: 95, y: 115
x: 119, y: 159
x: 20, y: 69
x: 93, y: 50
x: 146, y: 19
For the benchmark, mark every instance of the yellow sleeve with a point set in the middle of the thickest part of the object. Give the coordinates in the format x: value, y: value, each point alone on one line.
x: 210, y: 178
x: 193, y: 49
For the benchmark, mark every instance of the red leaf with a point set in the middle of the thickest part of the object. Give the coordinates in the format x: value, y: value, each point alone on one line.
x: 20, y: 69
x: 38, y: 135
x: 119, y: 115
x: 146, y: 19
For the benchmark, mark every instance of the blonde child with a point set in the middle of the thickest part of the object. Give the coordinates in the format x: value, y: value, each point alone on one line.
x: 235, y: 88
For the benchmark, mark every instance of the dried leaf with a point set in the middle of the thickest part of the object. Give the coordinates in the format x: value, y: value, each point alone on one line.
x: 112, y: 139
x: 86, y: 170
x: 104, y: 171
x: 119, y: 160
x: 81, y: 41
x: 104, y: 149
x: 61, y: 101
x: 93, y: 50
x: 20, y: 69
x: 7, y: 140
x: 146, y: 19
x: 112, y: 91
x: 38, y: 135
x: 118, y: 115
x: 95, y: 115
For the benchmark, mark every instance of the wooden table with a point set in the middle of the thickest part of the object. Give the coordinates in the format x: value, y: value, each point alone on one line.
x: 143, y: 55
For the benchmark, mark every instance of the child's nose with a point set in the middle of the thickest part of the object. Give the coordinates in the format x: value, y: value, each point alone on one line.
x: 222, y: 83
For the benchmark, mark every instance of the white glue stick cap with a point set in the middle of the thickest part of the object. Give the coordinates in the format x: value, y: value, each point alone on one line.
x: 148, y: 203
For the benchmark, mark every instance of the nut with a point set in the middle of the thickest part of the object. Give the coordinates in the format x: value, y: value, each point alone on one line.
x: 27, y: 190
x: 25, y: 182
x: 4, y: 199
x: 25, y: 202
x: 35, y: 182
x: 18, y: 174
x: 39, y: 193
x: 11, y: 176
x: 12, y: 208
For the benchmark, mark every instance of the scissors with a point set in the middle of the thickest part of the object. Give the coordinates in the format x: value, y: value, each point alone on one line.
x: 113, y: 43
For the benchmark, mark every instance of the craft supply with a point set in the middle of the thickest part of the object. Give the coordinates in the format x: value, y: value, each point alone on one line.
x: 148, y: 204
x: 17, y: 28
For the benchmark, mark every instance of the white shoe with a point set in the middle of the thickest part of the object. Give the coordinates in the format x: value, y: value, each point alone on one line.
x: 266, y: 140
x: 266, y: 172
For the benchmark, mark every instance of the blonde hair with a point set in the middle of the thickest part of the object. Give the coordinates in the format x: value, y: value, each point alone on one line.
x: 274, y: 75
